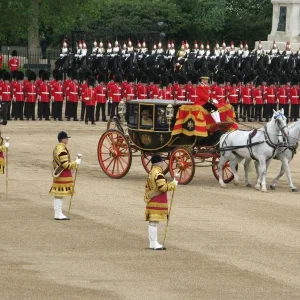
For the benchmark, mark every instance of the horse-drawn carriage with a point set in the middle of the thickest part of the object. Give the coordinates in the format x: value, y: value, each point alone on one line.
x: 182, y: 133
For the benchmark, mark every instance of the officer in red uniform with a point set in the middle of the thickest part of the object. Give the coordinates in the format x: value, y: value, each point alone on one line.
x: 31, y: 96
x: 142, y: 89
x: 82, y: 89
x: 19, y: 96
x: 101, y: 97
x: 246, y: 99
x: 219, y: 91
x: 270, y: 98
x: 67, y: 81
x: 191, y: 90
x: 13, y: 63
x: 180, y: 92
x: 44, y: 97
x: 89, y: 96
x: 130, y: 89
x: 282, y: 95
x: 57, y: 96
x: 258, y: 100
x: 72, y: 95
x: 116, y: 94
x: 13, y: 84
x: 109, y: 94
x: 294, y: 98
x: 154, y: 90
x: 6, y: 92
x: 233, y: 94
x: 164, y: 92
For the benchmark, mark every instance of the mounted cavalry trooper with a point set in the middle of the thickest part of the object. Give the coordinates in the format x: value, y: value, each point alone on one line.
x: 231, y: 52
x: 201, y: 52
x: 274, y: 51
x: 223, y: 49
x: 259, y: 51
x: 241, y: 49
x: 217, y: 49
x: 95, y: 48
x: 181, y: 52
x: 79, y: 50
x: 160, y: 50
x: 116, y: 48
x: 171, y: 51
x: 64, y: 50
x: 154, y: 49
x: 196, y: 48
x: 124, y: 49
x: 130, y: 48
x: 63, y: 182
x: 156, y: 200
x: 287, y: 52
x: 207, y: 52
x: 109, y: 49
x: 101, y: 49
x: 144, y: 49
x: 246, y: 50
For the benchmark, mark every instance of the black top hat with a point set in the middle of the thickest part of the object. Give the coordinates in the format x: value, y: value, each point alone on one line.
x: 156, y: 158
x: 62, y: 135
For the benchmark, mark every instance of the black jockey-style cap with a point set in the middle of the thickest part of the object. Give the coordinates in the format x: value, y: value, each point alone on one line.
x: 62, y: 135
x: 156, y: 158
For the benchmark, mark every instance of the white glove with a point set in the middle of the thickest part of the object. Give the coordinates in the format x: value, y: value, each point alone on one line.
x: 175, y: 181
x: 6, y: 144
x: 214, y: 101
x: 78, y: 161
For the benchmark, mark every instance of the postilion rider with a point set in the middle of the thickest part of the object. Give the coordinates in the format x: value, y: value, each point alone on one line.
x: 3, y: 147
x: 156, y: 199
x: 63, y: 182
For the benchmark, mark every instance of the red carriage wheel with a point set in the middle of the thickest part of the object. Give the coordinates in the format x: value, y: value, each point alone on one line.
x: 182, y: 162
x: 146, y: 161
x: 114, y: 154
x: 227, y: 173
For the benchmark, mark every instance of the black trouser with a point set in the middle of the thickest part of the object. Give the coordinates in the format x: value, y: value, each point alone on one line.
x: 45, y: 110
x: 57, y: 110
x: 30, y: 111
x: 39, y: 112
x: 258, y: 112
x: 90, y: 112
x: 82, y: 110
x: 13, y: 109
x: 114, y: 109
x: 246, y: 111
x: 67, y: 110
x: 72, y: 110
x: 102, y: 106
x: 269, y: 110
x: 109, y: 108
x: 294, y: 112
x: 19, y: 106
x: 285, y: 108
x: 52, y: 109
x: 25, y: 109
x: 7, y: 107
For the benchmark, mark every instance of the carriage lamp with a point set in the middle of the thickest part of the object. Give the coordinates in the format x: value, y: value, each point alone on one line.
x: 122, y: 110
x: 169, y: 114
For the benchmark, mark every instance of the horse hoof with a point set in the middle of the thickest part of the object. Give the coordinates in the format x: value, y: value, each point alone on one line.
x: 236, y: 182
x: 272, y: 187
x: 294, y: 190
x: 264, y: 190
x: 257, y: 187
x: 224, y: 186
x: 249, y: 185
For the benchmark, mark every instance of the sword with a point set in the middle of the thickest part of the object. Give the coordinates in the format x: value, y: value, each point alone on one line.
x: 170, y: 210
x: 71, y: 200
x: 6, y: 158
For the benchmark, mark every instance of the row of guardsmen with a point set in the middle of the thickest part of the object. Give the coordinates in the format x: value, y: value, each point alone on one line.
x: 250, y: 101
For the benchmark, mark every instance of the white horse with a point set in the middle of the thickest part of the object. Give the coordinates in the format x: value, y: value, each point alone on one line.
x: 238, y: 145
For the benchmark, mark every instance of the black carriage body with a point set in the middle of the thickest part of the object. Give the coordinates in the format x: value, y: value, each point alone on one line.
x: 155, y: 133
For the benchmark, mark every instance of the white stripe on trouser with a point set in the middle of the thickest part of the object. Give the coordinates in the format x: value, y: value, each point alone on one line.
x: 152, y: 234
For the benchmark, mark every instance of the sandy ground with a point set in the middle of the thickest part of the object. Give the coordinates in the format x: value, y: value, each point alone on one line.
x: 222, y: 244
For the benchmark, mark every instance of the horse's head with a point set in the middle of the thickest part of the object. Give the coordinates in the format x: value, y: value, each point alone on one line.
x: 281, y: 122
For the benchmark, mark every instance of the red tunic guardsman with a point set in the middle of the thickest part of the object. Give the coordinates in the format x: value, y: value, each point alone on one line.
x: 72, y: 95
x: 233, y: 94
x: 164, y: 92
x: 6, y: 92
x: 19, y: 96
x: 270, y: 99
x: 294, y: 98
x: 101, y: 97
x: 13, y: 63
x: 31, y: 96
x: 219, y: 91
x: 89, y: 96
x: 258, y: 100
x: 117, y: 94
x: 57, y: 95
x: 246, y: 99
x: 130, y: 89
x: 82, y: 89
x: 282, y: 95
x: 44, y: 97
x: 142, y: 89
x: 180, y: 91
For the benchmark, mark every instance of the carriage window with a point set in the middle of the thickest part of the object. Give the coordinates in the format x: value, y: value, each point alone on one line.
x: 146, y: 116
x: 161, y: 119
x: 133, y: 115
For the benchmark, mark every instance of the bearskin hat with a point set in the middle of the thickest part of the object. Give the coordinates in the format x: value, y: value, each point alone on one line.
x: 101, y: 77
x: 20, y: 75
x: 227, y: 78
x: 195, y: 79
x: 144, y: 79
x: 54, y: 73
x: 74, y: 75
x: 190, y: 77
x: 91, y: 81
x: 59, y: 76
x: 181, y: 80
x: 283, y: 80
x: 258, y: 81
x: 70, y: 72
x: 156, y: 79
x: 118, y: 78
x: 164, y: 81
x: 221, y: 80
x: 170, y: 79
x: 234, y: 80
x: 45, y: 76
x: 130, y: 77
x: 14, y: 53
x: 41, y: 72
x: 295, y: 80
x: 271, y: 81
x: 263, y: 78
x: 31, y: 76
x: 6, y: 76
x: 247, y: 79
x: 14, y: 74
